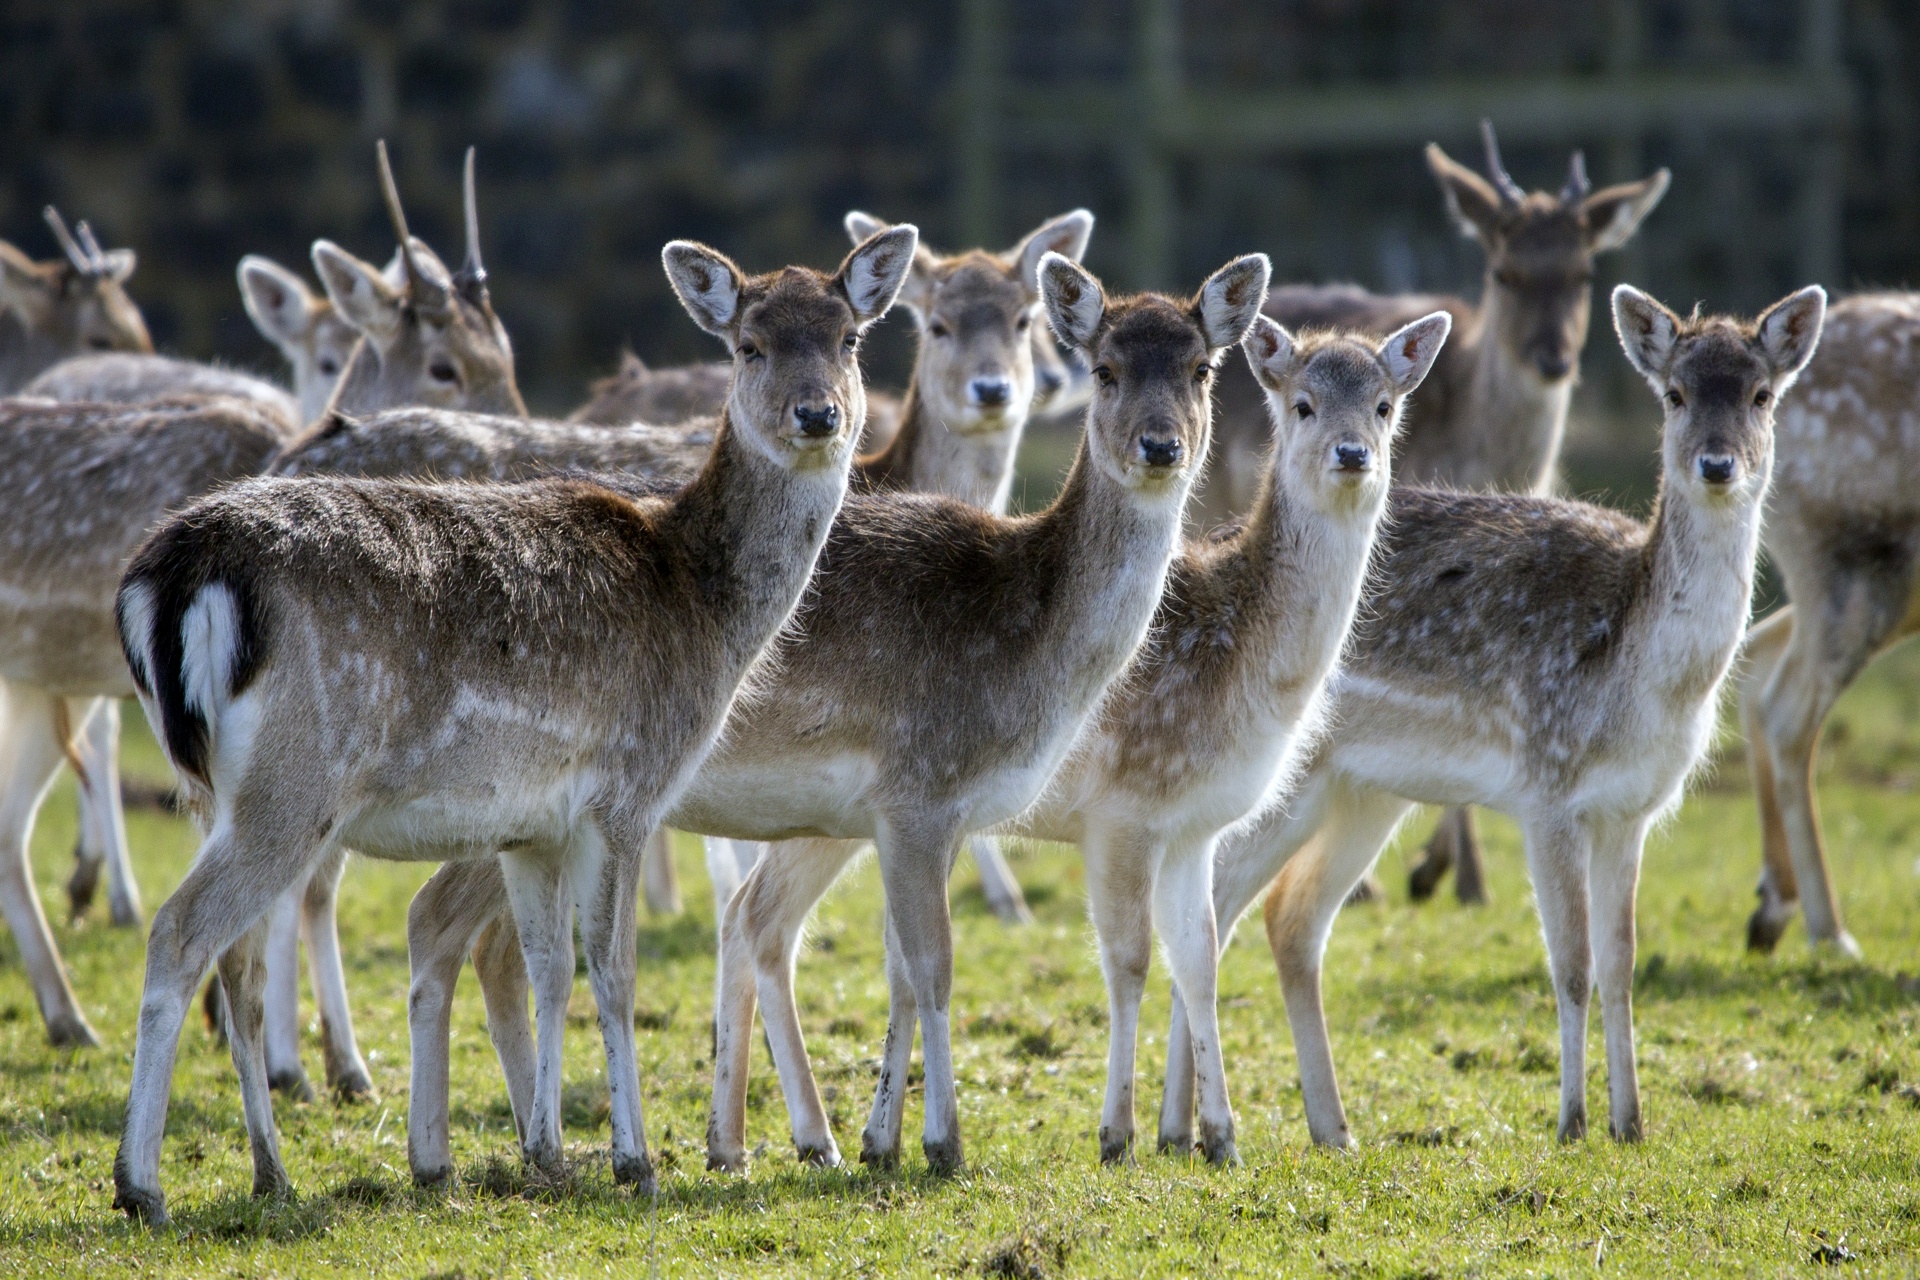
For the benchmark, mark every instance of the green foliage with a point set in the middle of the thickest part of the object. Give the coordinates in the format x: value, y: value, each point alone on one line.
x: 1782, y: 1094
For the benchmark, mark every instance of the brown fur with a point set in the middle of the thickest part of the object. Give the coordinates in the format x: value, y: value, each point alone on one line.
x: 52, y: 310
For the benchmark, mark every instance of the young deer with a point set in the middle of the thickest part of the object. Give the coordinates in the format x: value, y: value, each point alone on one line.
x: 314, y: 337
x: 84, y: 485
x: 1556, y: 661
x: 1494, y: 410
x: 52, y: 310
x: 943, y: 662
x: 444, y: 738
x: 1843, y: 526
x: 1208, y: 721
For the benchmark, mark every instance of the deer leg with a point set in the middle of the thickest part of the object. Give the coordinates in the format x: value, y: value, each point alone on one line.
x: 243, y: 978
x: 606, y: 868
x: 1558, y: 857
x: 915, y: 860
x: 1183, y: 915
x: 1615, y: 879
x: 660, y: 879
x: 347, y: 1074
x: 103, y: 821
x: 1244, y: 863
x: 502, y: 971
x: 543, y: 916
x: 997, y: 881
x: 240, y: 872
x: 1120, y: 889
x: 1300, y: 912
x: 1779, y: 891
x: 280, y: 997
x: 728, y: 862
x: 30, y: 756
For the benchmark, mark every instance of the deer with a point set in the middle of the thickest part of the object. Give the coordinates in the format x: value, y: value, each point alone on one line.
x: 647, y: 612
x: 1584, y: 723
x: 306, y: 328
x: 1211, y: 716
x: 73, y: 304
x: 1494, y: 411
x: 941, y: 666
x: 1845, y: 537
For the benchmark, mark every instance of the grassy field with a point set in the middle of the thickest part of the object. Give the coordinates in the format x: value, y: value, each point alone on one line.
x: 1783, y: 1095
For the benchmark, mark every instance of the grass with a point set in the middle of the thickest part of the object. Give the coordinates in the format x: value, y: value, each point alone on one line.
x: 1782, y: 1095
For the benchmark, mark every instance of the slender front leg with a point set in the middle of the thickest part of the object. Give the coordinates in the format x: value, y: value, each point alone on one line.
x: 880, y: 1140
x: 660, y: 878
x: 1779, y: 891
x: 103, y: 821
x: 915, y: 860
x: 1615, y: 879
x: 502, y: 971
x: 542, y: 914
x: 280, y: 994
x: 1183, y: 914
x: 1120, y: 886
x: 1558, y: 855
x: 437, y: 935
x: 997, y: 881
x: 243, y: 977
x: 1299, y: 915
x: 728, y: 862
x: 30, y: 756
x: 347, y: 1073
x: 605, y: 864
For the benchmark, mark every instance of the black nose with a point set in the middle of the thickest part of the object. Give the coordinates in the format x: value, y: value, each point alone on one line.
x: 1716, y: 468
x: 991, y: 393
x: 817, y: 420
x: 1352, y: 457
x: 1051, y: 380
x: 1553, y: 365
x: 1160, y: 453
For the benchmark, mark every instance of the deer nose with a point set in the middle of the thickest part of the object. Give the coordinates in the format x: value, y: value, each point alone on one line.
x: 817, y: 421
x: 1050, y: 380
x: 1352, y: 457
x: 1716, y: 468
x: 1553, y: 365
x: 1160, y: 453
x: 991, y: 393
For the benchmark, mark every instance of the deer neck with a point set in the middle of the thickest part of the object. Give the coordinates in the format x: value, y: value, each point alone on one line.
x: 1514, y: 421
x: 24, y: 354
x: 927, y: 456
x: 359, y: 391
x: 751, y: 530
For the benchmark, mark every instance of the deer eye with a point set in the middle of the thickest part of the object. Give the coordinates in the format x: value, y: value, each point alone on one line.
x: 939, y: 330
x: 851, y: 343
x: 329, y: 367
x: 1302, y: 410
x: 100, y: 343
x: 747, y: 351
x: 1508, y: 277
x: 1675, y: 399
x: 1761, y: 397
x: 441, y: 370
x: 1024, y: 323
x: 1103, y: 375
x: 1202, y: 373
x: 1382, y: 409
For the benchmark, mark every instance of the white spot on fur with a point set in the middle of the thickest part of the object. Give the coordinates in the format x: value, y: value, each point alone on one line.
x: 136, y: 630
x: 210, y: 640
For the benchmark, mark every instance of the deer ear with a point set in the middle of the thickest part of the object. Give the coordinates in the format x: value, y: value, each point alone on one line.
x: 360, y: 292
x: 872, y: 275
x: 1270, y: 351
x: 707, y: 283
x: 1409, y: 352
x: 24, y: 288
x: 1066, y: 235
x: 1790, y: 330
x: 1075, y: 302
x: 277, y: 301
x: 1231, y: 298
x: 861, y: 225
x: 1613, y: 214
x: 1472, y: 202
x: 1647, y: 332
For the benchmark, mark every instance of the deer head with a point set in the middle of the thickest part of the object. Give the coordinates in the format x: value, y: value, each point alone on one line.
x: 71, y: 305
x: 306, y: 328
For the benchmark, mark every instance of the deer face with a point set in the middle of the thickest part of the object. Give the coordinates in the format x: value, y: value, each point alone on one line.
x: 306, y: 328
x: 1153, y: 362
x: 796, y: 394
x: 983, y: 349
x: 74, y: 306
x: 1540, y: 250
x: 1336, y: 401
x: 1719, y: 380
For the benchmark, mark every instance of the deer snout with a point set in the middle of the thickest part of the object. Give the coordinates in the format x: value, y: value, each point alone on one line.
x: 1553, y: 363
x: 817, y: 421
x: 1161, y: 451
x: 1717, y: 468
x: 990, y: 393
x: 1352, y: 457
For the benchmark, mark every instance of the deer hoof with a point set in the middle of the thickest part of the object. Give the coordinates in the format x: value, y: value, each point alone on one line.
x: 351, y: 1086
x: 944, y: 1156
x: 1218, y: 1146
x: 819, y: 1156
x: 293, y: 1083
x: 722, y: 1161
x: 1574, y: 1127
x: 1174, y: 1144
x: 883, y: 1159
x: 147, y: 1207
x: 1116, y: 1147
x: 81, y: 886
x: 70, y: 1031
x: 634, y: 1171
x: 433, y: 1179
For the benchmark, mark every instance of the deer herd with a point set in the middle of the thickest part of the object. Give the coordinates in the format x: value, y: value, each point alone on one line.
x: 388, y: 612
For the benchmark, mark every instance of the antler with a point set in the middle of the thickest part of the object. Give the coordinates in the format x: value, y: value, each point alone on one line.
x: 472, y: 276
x: 75, y: 254
x: 1577, y: 187
x: 1510, y: 191
x: 419, y: 286
x: 92, y: 246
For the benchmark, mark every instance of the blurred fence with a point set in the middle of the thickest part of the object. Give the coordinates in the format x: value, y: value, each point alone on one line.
x: 197, y: 131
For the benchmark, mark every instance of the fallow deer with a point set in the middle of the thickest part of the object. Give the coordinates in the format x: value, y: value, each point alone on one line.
x: 943, y: 662
x: 140, y: 378
x: 307, y: 329
x: 1556, y: 661
x: 527, y: 673
x: 52, y: 310
x: 1494, y: 411
x: 1843, y: 526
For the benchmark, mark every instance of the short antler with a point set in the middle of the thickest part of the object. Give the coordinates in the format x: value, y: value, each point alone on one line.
x: 472, y: 276
x: 75, y: 254
x: 92, y: 246
x: 420, y: 287
x: 1510, y: 191
x: 1577, y: 188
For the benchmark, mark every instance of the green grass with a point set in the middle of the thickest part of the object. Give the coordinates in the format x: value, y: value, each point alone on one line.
x: 1780, y: 1094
